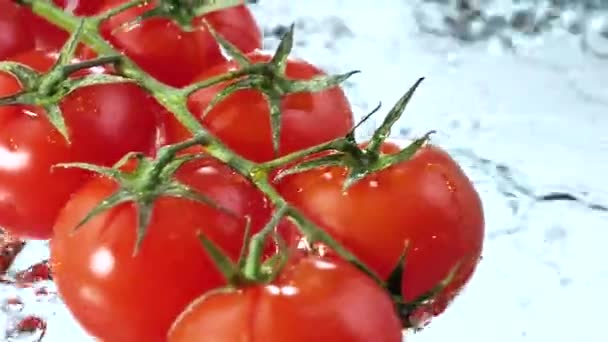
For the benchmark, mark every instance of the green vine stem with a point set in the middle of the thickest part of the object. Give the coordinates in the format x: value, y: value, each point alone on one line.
x: 152, y: 178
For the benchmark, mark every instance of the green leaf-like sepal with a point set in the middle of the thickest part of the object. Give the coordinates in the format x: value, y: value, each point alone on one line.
x: 274, y: 103
x: 148, y: 181
x: 393, y: 115
x: 108, y: 203
x: 118, y: 9
x: 245, y: 245
x: 394, y: 280
x: 69, y: 48
x: 55, y: 117
x: 319, y: 83
x: 336, y: 159
x: 231, y: 50
x: 243, y: 84
x: 48, y: 89
x: 252, y: 268
x: 351, y: 135
x: 268, y: 78
x: 179, y: 11
x: 96, y: 79
x: 361, y: 170
x: 405, y: 309
x: 313, y: 235
x: 28, y: 77
x: 279, y: 60
x: 222, y: 261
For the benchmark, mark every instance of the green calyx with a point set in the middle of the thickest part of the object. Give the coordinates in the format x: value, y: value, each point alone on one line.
x: 181, y: 12
x: 46, y: 90
x: 269, y: 79
x: 251, y: 268
x: 365, y: 161
x: 406, y: 309
x: 152, y: 178
x: 149, y: 180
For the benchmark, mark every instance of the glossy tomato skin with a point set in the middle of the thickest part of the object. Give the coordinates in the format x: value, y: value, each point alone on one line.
x: 104, y: 122
x: 175, y: 56
x: 49, y: 36
x: 15, y: 33
x: 242, y: 120
x: 428, y: 201
x: 121, y: 298
x: 313, y: 299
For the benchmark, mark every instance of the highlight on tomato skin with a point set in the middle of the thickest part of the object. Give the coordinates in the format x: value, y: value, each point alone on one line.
x: 104, y: 122
x: 174, y: 56
x: 427, y: 201
x: 242, y: 120
x: 119, y: 297
x: 312, y: 299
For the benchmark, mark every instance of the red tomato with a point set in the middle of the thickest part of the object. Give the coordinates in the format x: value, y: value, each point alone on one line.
x: 427, y: 201
x: 172, y: 55
x: 104, y: 121
x: 15, y: 34
x: 48, y: 35
x: 123, y: 298
x: 312, y: 300
x: 242, y: 120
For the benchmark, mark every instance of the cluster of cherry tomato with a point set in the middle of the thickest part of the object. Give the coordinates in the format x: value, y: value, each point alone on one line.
x: 172, y: 289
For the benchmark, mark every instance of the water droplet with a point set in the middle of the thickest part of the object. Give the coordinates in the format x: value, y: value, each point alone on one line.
x: 12, y: 144
x: 12, y: 305
x: 421, y: 317
x: 26, y: 326
x: 30, y: 113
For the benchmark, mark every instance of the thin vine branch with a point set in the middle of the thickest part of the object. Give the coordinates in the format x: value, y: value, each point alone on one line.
x: 174, y: 100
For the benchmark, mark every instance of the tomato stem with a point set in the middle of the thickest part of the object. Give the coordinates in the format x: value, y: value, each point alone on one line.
x: 313, y: 234
x: 213, y: 6
x: 103, y: 60
x: 27, y: 76
x: 182, y: 12
x: 337, y: 144
x: 153, y: 178
x: 229, y: 270
x: 116, y: 10
x: 248, y: 70
x: 253, y: 262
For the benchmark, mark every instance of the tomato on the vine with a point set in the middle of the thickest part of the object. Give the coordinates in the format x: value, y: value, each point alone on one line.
x: 312, y: 299
x: 175, y: 56
x: 119, y: 297
x: 50, y: 36
x: 427, y: 201
x: 104, y: 122
x: 242, y: 120
x: 15, y: 33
